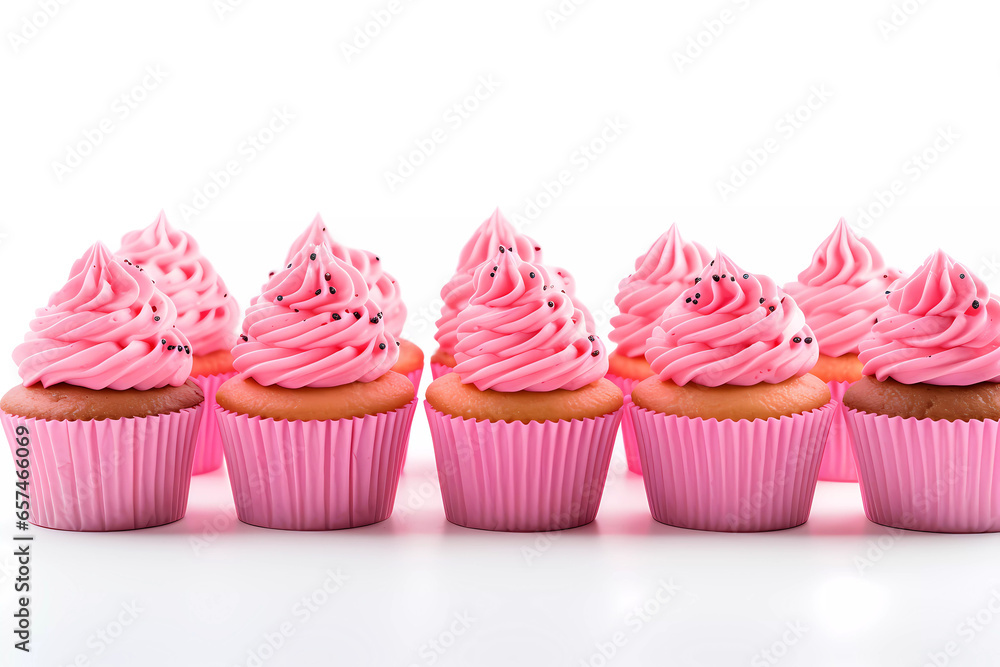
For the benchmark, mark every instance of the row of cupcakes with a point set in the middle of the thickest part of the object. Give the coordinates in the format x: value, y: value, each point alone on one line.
x: 730, y: 426
x: 740, y: 394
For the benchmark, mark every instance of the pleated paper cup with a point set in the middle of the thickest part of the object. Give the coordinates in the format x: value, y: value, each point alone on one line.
x: 838, y: 461
x: 437, y: 370
x: 108, y: 474
x: 928, y: 474
x: 628, y: 429
x: 208, y: 452
x: 317, y: 474
x: 414, y: 378
x: 731, y: 476
x: 516, y: 477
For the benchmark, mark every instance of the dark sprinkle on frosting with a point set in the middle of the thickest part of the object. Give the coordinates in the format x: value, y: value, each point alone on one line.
x: 357, y: 315
x: 975, y: 304
x: 590, y: 338
x: 808, y: 339
x: 156, y: 318
x: 381, y: 346
x: 312, y: 256
x: 595, y: 353
x: 797, y: 339
x: 279, y: 297
x: 336, y: 316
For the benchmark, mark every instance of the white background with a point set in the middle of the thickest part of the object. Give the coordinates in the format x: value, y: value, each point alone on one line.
x: 858, y: 593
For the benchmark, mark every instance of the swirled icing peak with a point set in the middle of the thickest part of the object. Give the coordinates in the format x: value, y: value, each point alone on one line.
x: 494, y: 232
x: 206, y: 312
x: 841, y: 290
x: 315, y: 326
x: 661, y: 273
x: 731, y: 327
x: 941, y: 326
x: 383, y: 287
x: 521, y: 332
x: 108, y: 327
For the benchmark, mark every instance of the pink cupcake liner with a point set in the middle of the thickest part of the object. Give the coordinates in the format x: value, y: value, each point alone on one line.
x: 208, y: 452
x: 414, y: 377
x: 628, y: 429
x: 108, y: 474
x: 731, y: 476
x: 437, y: 370
x: 925, y: 474
x: 838, y: 461
x: 315, y: 475
x: 516, y: 477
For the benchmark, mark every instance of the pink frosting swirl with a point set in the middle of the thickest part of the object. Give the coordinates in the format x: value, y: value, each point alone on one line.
x: 842, y: 289
x: 731, y: 327
x: 315, y: 326
x: 382, y: 286
x: 941, y: 326
x: 108, y: 327
x: 206, y: 313
x: 522, y: 333
x: 661, y: 274
x: 480, y: 248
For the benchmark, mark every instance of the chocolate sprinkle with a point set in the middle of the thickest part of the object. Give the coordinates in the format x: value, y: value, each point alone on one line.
x: 595, y: 353
x: 336, y: 316
x: 808, y: 340
x: 975, y: 304
x: 590, y: 338
x: 156, y: 318
x: 312, y: 256
x: 381, y: 346
x: 326, y: 276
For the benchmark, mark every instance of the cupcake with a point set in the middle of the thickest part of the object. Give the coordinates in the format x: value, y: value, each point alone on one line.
x: 839, y: 294
x: 382, y: 287
x: 106, y: 417
x: 206, y: 313
x: 731, y: 426
x: 925, y: 418
x: 661, y: 273
x: 524, y: 427
x: 315, y: 423
x: 479, y: 249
